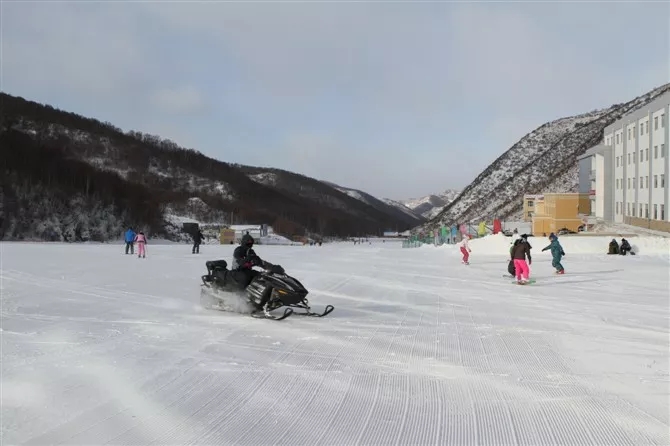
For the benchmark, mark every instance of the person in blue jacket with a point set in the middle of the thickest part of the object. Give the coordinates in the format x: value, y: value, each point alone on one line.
x: 130, y: 241
x: 556, y: 253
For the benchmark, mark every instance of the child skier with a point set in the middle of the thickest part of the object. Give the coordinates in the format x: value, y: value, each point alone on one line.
x: 519, y: 252
x: 141, y: 241
x: 556, y: 253
x: 465, y: 249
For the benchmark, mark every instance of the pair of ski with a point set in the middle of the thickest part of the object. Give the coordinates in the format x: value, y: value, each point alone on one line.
x: 288, y: 312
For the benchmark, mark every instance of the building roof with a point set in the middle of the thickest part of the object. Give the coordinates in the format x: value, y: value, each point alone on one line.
x: 595, y: 150
x: 657, y: 104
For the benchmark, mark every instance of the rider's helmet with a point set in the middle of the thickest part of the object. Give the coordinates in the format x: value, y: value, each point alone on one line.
x: 247, y: 240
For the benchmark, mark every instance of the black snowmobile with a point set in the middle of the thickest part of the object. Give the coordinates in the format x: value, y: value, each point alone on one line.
x: 220, y: 287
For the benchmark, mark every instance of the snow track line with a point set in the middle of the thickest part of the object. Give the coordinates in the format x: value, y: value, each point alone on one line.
x: 60, y: 432
x: 314, y: 392
x: 257, y: 383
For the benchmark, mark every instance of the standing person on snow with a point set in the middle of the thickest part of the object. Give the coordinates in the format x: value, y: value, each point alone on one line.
x: 141, y: 241
x: 556, y: 253
x: 519, y: 252
x: 130, y: 240
x: 465, y: 249
x: 197, y: 240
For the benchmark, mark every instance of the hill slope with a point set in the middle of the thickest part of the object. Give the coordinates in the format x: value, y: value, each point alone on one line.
x: 387, y: 205
x: 544, y: 160
x: 158, y: 177
x: 431, y: 205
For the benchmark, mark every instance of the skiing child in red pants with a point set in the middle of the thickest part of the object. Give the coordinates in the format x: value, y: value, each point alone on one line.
x: 465, y: 249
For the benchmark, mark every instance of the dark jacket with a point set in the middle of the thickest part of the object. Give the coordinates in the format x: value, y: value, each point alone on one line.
x: 556, y: 249
x: 613, y: 248
x: 198, y: 237
x: 521, y: 250
x: 245, y: 257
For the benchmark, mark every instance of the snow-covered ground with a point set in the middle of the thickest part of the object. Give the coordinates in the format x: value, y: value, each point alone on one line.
x: 100, y: 348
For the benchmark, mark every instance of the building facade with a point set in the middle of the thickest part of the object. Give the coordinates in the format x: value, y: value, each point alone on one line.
x: 557, y: 211
x: 529, y: 206
x: 629, y: 171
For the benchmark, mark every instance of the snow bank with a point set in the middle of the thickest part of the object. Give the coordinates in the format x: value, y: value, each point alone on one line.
x: 572, y: 244
x: 276, y: 239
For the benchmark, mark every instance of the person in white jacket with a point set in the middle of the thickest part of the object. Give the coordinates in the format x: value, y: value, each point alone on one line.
x: 465, y: 249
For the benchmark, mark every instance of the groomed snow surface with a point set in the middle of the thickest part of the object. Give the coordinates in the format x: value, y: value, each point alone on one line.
x: 103, y: 348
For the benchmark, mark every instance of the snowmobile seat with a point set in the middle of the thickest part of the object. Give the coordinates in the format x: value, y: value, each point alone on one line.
x: 216, y: 265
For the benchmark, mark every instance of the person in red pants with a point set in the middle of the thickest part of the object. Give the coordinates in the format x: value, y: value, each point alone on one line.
x: 465, y: 249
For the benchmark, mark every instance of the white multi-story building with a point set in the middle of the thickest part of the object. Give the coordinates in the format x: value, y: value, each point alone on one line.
x: 627, y: 175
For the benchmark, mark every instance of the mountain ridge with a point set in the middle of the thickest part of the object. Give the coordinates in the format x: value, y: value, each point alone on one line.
x: 162, y: 170
x: 543, y: 160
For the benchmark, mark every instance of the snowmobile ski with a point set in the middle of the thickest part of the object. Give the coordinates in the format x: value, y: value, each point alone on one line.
x: 326, y: 311
x: 262, y: 315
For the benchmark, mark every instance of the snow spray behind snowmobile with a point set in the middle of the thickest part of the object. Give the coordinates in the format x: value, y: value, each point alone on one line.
x: 224, y: 288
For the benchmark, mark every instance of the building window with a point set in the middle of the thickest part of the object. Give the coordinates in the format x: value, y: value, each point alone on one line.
x: 628, y: 184
x: 629, y: 159
x: 656, y: 123
x: 530, y: 203
x: 646, y: 182
x: 662, y: 150
x: 662, y: 180
x: 628, y: 134
x: 663, y: 120
x: 662, y: 212
x: 642, y: 129
x: 655, y: 181
x: 646, y: 154
x: 655, y: 212
x: 640, y: 210
x: 617, y: 208
x: 646, y: 211
x: 655, y: 152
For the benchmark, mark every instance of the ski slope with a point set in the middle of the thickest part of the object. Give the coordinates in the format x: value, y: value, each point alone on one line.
x: 103, y: 348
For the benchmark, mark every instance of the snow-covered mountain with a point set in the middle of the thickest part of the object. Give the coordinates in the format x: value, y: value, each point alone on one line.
x: 544, y: 160
x: 387, y: 205
x: 431, y: 205
x: 68, y: 177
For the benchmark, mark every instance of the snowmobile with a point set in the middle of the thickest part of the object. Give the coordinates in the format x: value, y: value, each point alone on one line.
x: 224, y: 289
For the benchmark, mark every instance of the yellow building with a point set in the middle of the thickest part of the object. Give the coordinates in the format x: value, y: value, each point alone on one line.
x: 227, y: 236
x: 557, y: 211
x: 529, y: 205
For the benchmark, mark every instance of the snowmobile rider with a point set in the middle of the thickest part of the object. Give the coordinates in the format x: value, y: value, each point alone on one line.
x: 244, y: 259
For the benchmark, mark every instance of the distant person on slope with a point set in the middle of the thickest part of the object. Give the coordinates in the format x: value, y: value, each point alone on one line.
x: 465, y: 249
x: 197, y: 240
x: 613, y: 248
x: 141, y: 241
x: 556, y: 253
x: 625, y: 247
x: 130, y: 240
x: 520, y: 251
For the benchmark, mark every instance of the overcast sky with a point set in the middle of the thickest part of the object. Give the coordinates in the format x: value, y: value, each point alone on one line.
x: 398, y: 99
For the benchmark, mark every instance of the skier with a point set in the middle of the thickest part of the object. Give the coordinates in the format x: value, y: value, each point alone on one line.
x: 141, y: 241
x: 130, y: 240
x: 197, y: 240
x: 519, y: 252
x: 465, y: 249
x: 556, y: 253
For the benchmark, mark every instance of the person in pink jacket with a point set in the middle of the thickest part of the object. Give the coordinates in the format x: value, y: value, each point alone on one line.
x: 465, y: 249
x: 141, y: 241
